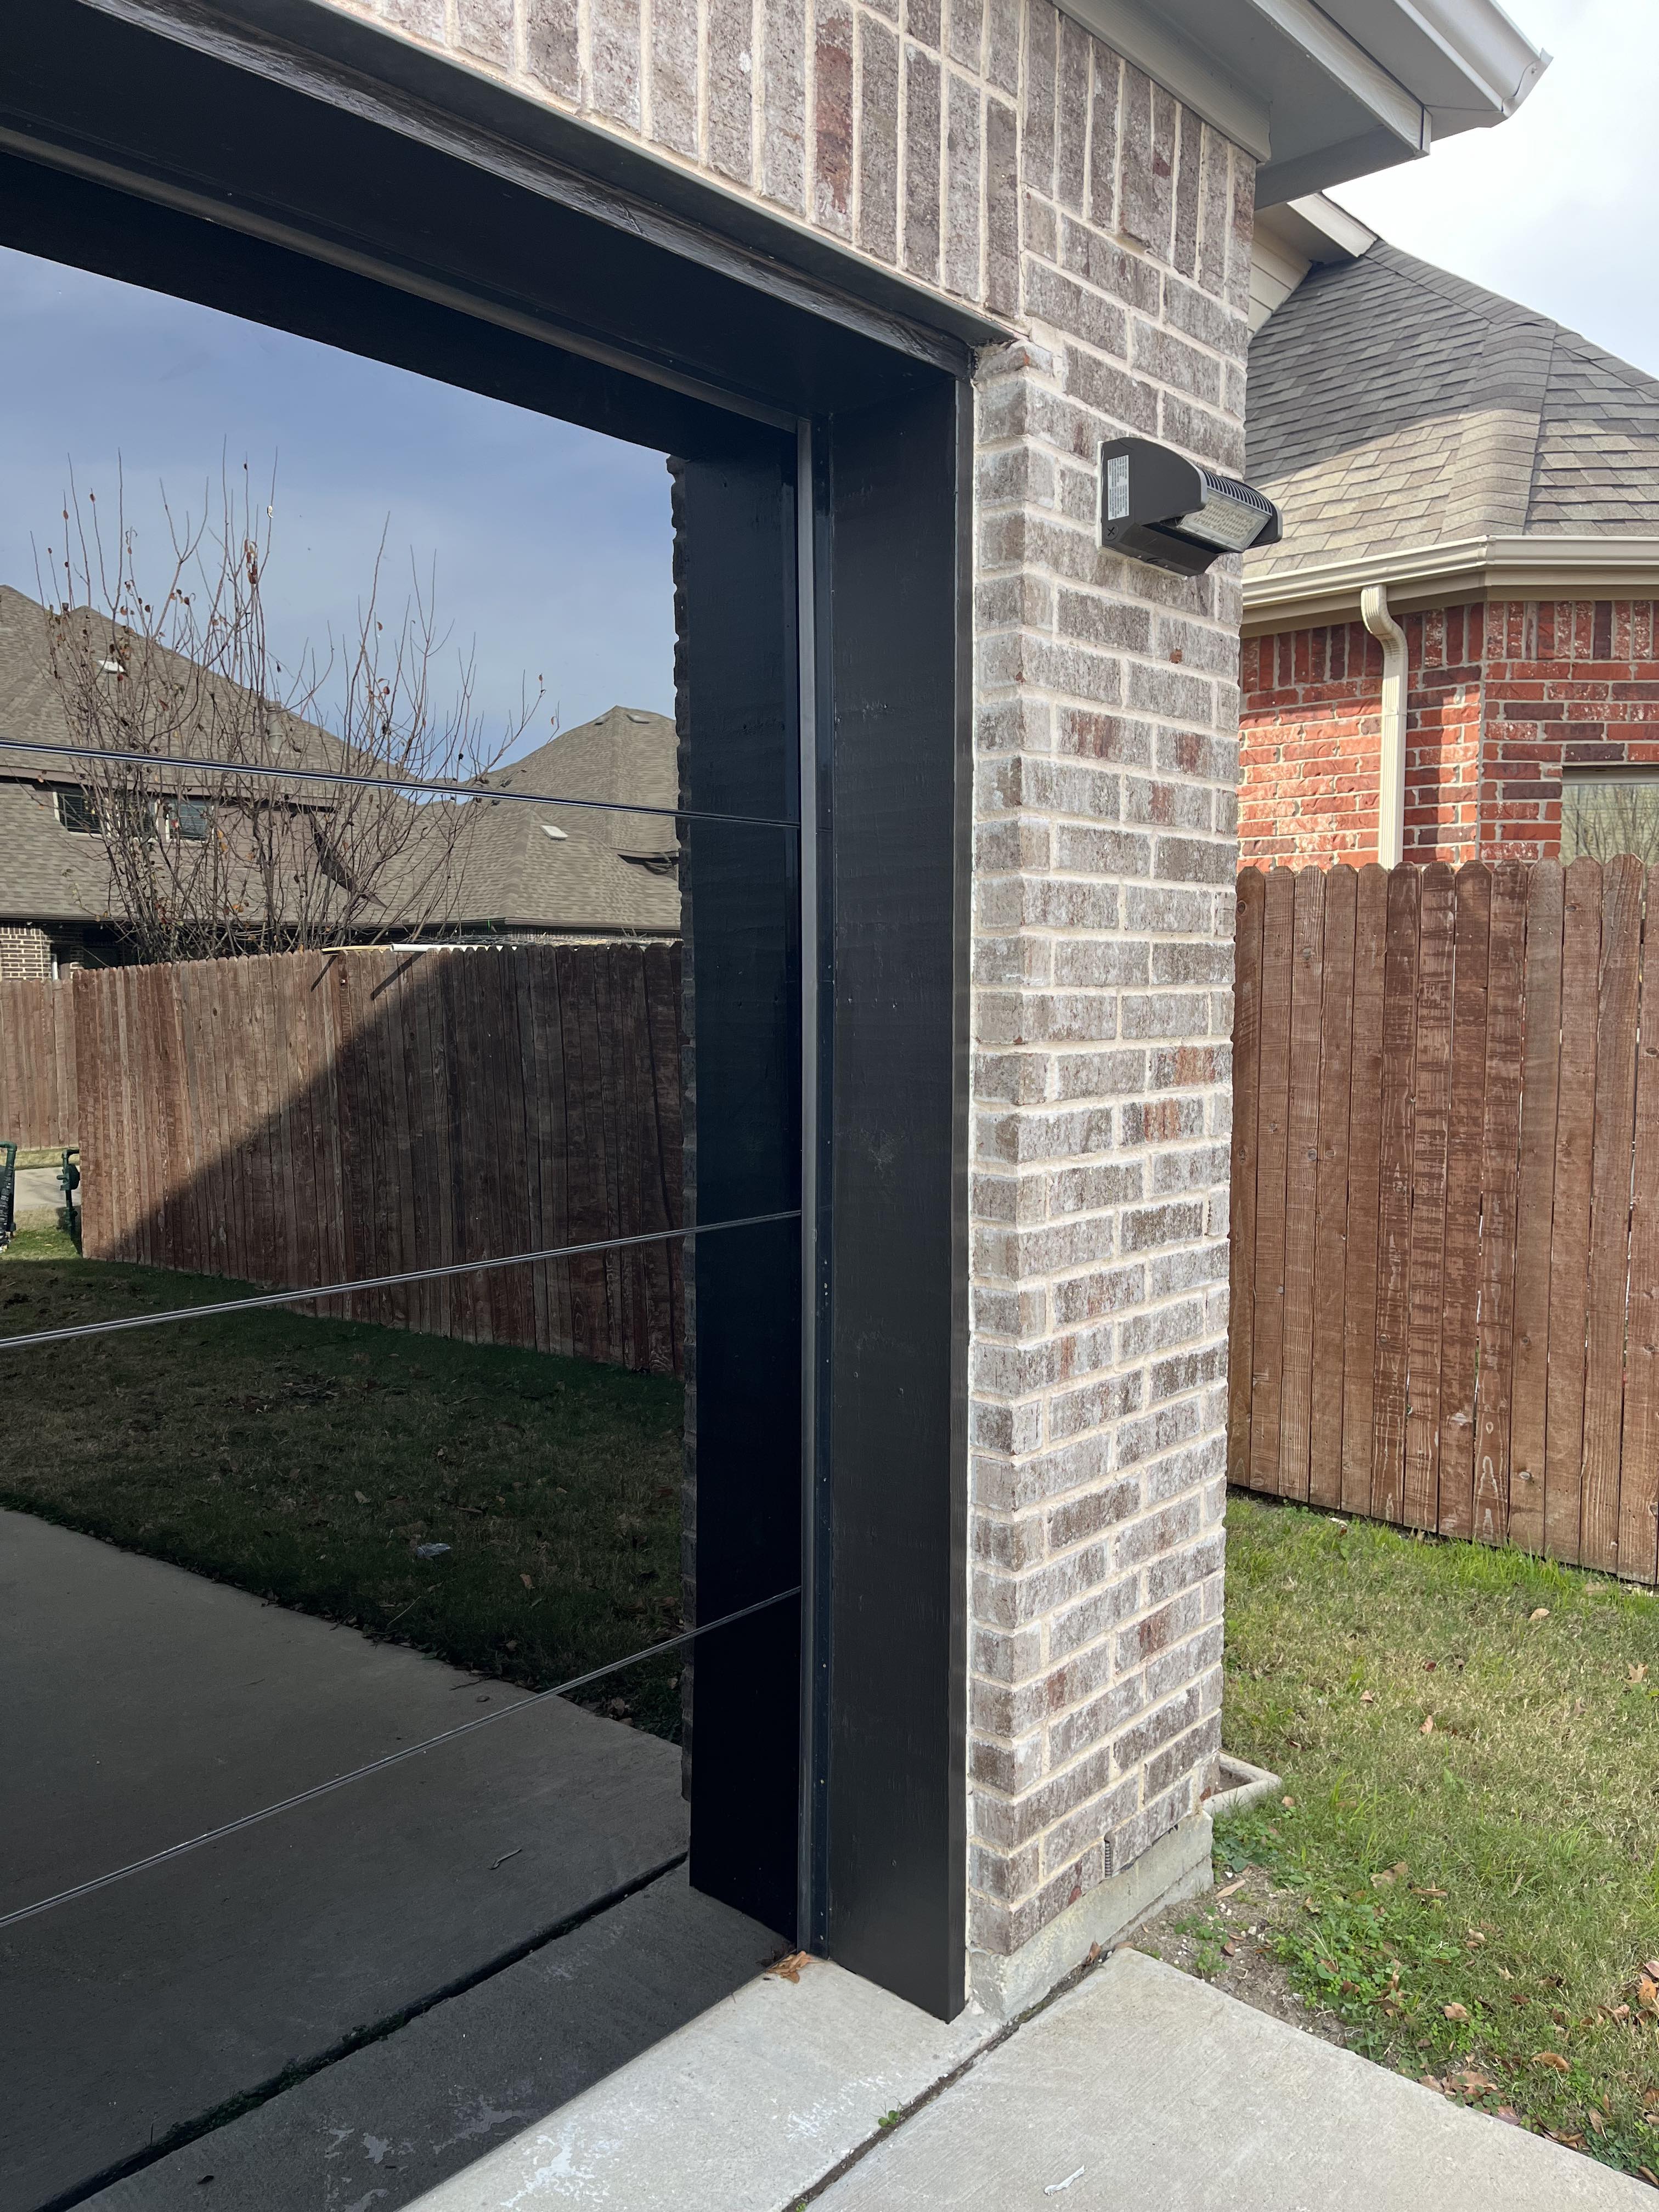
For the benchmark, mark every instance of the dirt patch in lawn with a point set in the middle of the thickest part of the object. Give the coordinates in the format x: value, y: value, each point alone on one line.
x: 1229, y: 1938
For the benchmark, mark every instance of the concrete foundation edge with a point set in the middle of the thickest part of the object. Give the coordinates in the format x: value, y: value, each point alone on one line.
x: 1177, y: 1866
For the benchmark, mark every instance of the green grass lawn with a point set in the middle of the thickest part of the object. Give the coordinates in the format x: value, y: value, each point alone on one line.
x: 1469, y: 1743
x: 305, y: 1459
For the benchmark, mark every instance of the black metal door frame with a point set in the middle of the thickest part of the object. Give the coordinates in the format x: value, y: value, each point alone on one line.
x: 438, y: 221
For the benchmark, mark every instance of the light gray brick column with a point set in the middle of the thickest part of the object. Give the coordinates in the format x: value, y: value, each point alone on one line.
x: 993, y: 150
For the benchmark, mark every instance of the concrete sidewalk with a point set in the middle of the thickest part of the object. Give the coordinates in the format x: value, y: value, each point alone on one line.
x: 1146, y: 2088
x: 1142, y: 2090
x: 145, y: 1705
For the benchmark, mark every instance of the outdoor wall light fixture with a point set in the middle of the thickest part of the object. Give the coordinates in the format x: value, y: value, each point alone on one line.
x: 1174, y: 513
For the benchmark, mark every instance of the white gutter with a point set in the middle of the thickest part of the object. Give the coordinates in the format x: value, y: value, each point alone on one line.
x: 1538, y: 566
x: 1391, y: 766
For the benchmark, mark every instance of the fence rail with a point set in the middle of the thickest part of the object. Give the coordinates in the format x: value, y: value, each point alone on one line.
x: 307, y: 1118
x: 1445, y: 1201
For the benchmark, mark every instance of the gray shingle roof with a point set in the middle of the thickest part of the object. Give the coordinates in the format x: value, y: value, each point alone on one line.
x: 512, y: 874
x: 1393, y: 404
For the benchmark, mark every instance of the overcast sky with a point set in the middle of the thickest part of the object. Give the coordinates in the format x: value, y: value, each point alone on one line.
x: 1557, y: 207
x: 552, y: 544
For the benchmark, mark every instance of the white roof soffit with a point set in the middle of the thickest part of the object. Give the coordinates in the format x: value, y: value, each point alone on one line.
x: 1545, y: 565
x: 1321, y: 94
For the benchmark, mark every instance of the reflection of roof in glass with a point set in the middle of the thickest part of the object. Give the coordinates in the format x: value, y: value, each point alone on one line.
x: 591, y: 873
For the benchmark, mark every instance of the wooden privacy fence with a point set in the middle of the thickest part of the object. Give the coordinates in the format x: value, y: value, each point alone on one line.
x: 37, y: 1064
x: 1445, y: 1201
x: 311, y: 1119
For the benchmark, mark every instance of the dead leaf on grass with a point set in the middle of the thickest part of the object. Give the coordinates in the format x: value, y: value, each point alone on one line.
x: 1551, y: 2059
x: 525, y: 1580
x: 1427, y: 1728
x: 1455, y: 2011
x: 1650, y: 1968
x: 1637, y: 1675
x: 1539, y: 1613
x: 1367, y: 1697
x: 1598, y: 2121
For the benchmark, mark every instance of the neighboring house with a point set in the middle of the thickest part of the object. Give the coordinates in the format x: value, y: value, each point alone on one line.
x: 576, y: 869
x: 886, y: 281
x: 520, y: 870
x: 1498, y: 477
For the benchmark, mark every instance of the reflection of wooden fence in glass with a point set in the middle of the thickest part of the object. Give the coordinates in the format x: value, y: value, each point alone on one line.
x: 1445, y: 1201
x: 315, y: 1118
x: 37, y: 1064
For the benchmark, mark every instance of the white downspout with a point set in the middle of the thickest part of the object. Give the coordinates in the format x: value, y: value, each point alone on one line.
x: 1391, y: 771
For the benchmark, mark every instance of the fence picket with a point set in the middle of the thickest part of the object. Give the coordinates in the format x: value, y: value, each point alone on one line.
x: 1335, y: 1052
x: 1430, y: 1140
x: 1247, y: 1069
x: 1575, y: 1141
x: 1399, y: 987
x: 1301, y: 1180
x: 1470, y: 983
x: 1272, y: 1114
x: 1499, y: 1181
x: 1639, y: 1487
x: 1541, y: 1101
x: 1365, y: 1168
x: 1610, y: 1209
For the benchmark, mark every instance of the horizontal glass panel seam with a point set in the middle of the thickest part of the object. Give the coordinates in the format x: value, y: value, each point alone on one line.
x: 393, y: 1758
x: 388, y: 1282
x: 429, y: 788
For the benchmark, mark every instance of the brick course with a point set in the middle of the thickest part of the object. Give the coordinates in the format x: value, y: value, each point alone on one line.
x: 993, y: 150
x: 1500, y: 698
x: 25, y: 955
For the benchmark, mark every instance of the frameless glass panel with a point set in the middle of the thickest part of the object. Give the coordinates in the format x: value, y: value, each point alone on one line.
x: 399, y: 1320
x: 260, y: 1554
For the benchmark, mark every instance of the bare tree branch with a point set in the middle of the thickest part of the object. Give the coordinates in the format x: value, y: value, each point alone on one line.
x: 177, y: 665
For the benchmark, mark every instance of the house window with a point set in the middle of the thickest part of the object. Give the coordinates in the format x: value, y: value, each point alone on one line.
x: 1608, y: 811
x: 77, y: 810
x: 188, y: 819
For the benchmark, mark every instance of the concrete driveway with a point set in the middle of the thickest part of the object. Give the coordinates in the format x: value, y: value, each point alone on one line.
x: 144, y: 1705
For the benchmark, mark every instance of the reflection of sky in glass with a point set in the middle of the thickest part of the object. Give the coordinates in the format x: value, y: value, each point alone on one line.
x: 552, y: 544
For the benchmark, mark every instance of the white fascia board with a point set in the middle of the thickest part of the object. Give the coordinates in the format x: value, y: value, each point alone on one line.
x: 1315, y: 229
x: 1564, y: 566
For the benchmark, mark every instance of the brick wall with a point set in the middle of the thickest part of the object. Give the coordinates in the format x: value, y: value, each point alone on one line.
x: 1568, y: 683
x: 1311, y: 739
x: 1500, y: 698
x: 992, y: 150
x: 25, y: 955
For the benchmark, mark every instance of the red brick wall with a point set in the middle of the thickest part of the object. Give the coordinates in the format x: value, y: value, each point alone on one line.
x: 1499, y: 698
x: 1311, y: 732
x: 1568, y: 683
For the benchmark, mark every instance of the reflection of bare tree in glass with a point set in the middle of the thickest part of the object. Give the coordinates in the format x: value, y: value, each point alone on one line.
x: 1603, y: 816
x: 179, y: 667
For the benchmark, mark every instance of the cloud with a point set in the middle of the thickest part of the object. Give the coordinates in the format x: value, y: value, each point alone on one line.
x: 552, y: 544
x: 1555, y: 207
